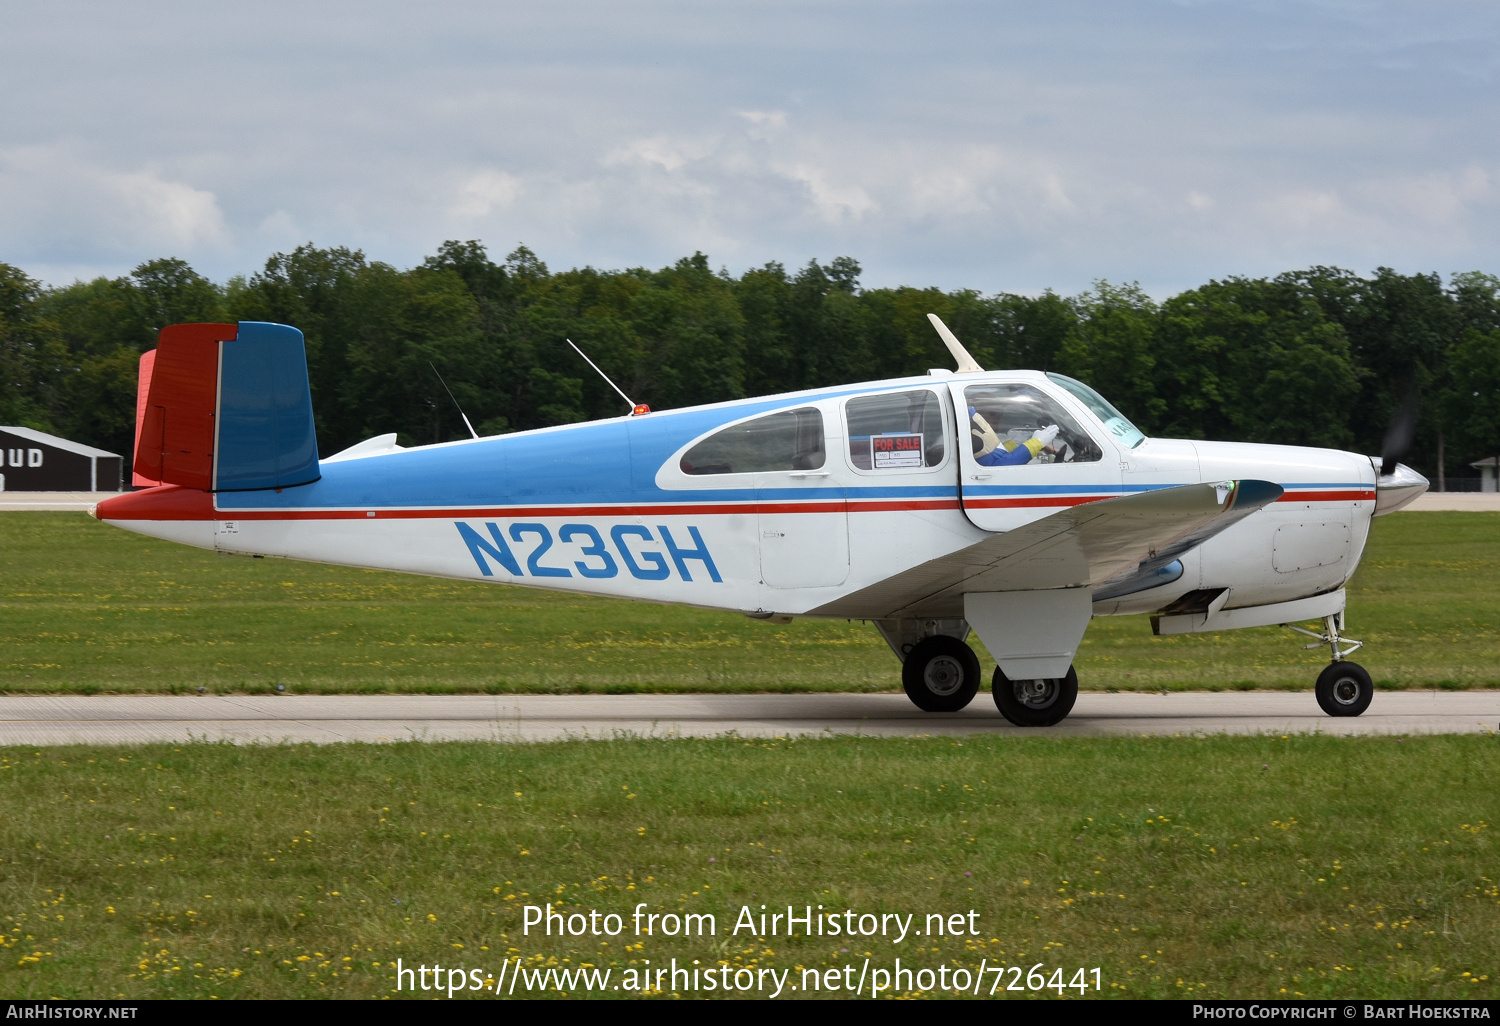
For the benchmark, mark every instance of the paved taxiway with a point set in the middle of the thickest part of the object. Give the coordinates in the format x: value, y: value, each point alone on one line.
x: 324, y: 719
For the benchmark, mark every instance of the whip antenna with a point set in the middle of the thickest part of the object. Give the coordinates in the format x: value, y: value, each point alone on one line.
x: 459, y: 408
x: 636, y: 409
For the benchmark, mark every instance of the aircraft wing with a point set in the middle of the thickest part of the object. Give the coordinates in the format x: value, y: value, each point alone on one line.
x: 1082, y: 546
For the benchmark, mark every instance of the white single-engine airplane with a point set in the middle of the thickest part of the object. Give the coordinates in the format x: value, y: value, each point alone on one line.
x: 1017, y: 504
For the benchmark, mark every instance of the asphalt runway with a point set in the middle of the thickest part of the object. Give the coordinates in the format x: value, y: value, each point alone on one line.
x: 328, y: 719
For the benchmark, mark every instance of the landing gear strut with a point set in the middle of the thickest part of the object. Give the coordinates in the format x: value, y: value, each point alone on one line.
x: 1343, y: 688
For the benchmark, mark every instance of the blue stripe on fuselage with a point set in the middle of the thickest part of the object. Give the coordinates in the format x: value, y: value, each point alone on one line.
x: 597, y: 463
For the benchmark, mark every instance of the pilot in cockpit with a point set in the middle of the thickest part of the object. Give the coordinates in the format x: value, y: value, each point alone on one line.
x: 993, y: 451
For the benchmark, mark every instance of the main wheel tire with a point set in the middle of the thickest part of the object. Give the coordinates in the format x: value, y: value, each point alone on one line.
x: 1344, y: 689
x: 1035, y: 703
x: 940, y: 674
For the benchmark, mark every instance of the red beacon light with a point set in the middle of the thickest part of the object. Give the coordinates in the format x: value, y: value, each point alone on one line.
x: 641, y: 409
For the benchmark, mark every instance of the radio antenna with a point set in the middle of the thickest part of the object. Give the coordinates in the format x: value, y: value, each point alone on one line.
x: 636, y: 409
x: 459, y: 408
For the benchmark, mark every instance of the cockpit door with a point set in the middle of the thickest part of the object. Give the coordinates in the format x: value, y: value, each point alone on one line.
x: 1013, y: 468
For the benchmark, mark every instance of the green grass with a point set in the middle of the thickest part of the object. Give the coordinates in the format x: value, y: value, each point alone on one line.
x: 1207, y: 867
x: 88, y: 608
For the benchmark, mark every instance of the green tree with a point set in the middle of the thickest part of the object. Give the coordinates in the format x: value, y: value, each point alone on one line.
x: 1254, y: 360
x: 87, y: 339
x: 1473, y: 400
x: 1112, y: 348
x: 371, y: 333
x: 1030, y: 331
x: 32, y: 360
x: 763, y: 295
x: 1401, y: 329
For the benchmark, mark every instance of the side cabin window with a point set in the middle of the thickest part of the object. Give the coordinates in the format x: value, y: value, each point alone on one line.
x: 785, y: 440
x: 895, y: 430
x: 1015, y: 425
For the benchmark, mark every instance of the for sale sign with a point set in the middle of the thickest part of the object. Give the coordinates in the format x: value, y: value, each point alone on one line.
x: 896, y: 451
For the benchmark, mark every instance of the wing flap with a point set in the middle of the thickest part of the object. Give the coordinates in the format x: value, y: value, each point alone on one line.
x: 1082, y: 546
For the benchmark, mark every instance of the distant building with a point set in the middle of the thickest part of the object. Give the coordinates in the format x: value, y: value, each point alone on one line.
x: 34, y: 461
x: 1486, y: 468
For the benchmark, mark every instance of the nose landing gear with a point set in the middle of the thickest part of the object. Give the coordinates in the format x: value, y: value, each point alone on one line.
x: 1343, y: 688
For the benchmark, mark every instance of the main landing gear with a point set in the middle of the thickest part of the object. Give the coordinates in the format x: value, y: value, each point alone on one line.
x: 1035, y: 703
x: 1343, y: 688
x: 941, y: 674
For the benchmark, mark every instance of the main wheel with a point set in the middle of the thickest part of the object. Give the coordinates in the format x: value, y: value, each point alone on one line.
x: 1345, y: 689
x: 940, y: 674
x: 1035, y: 703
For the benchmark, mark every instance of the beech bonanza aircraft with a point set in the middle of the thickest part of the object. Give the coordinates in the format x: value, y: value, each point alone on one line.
x: 1016, y: 504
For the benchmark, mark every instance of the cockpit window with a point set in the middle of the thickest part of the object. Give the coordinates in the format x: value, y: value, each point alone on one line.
x: 1013, y: 425
x: 1124, y: 432
x: 895, y: 430
x: 785, y: 440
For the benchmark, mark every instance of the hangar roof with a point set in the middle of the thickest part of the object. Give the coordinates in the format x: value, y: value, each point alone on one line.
x: 56, y: 442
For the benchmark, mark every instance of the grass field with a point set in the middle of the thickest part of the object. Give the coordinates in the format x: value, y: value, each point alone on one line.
x: 1209, y: 867
x: 88, y: 608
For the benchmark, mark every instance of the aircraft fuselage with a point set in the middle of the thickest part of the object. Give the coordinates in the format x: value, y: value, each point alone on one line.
x: 614, y: 507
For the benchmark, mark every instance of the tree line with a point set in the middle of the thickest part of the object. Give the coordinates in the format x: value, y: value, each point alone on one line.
x: 1321, y: 356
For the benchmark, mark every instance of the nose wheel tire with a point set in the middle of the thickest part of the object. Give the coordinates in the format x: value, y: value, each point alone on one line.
x: 1035, y: 703
x: 940, y: 674
x: 1345, y: 689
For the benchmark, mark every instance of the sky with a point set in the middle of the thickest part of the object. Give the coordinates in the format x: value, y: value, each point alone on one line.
x: 998, y: 146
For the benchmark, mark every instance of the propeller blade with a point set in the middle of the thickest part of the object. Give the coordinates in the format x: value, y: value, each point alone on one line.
x: 1399, y: 435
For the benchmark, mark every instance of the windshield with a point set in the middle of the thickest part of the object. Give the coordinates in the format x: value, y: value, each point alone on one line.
x: 1124, y: 432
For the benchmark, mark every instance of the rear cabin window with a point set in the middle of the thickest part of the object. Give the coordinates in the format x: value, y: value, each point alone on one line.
x: 786, y: 440
x: 895, y: 430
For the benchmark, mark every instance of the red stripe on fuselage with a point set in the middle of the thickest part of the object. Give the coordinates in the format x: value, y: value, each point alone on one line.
x: 172, y: 502
x: 661, y: 509
x: 1034, y: 500
x: 1064, y: 501
x: 169, y: 502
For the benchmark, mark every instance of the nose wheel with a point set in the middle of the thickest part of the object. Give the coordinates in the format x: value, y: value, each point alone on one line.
x: 1343, y: 688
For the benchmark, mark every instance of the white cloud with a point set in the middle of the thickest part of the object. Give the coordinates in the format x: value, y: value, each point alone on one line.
x: 280, y: 229
x: 56, y: 197
x: 1306, y: 210
x: 834, y: 200
x: 485, y: 192
x: 764, y: 124
x: 1438, y: 199
x: 656, y: 152
x: 995, y: 146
